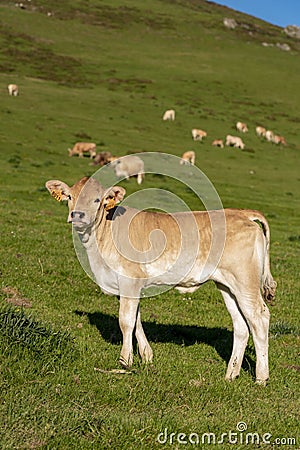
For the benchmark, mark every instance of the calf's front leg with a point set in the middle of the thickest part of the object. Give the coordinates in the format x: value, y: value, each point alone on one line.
x: 144, y: 347
x: 128, y: 312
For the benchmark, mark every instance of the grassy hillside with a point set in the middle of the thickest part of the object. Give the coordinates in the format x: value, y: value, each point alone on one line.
x: 106, y: 72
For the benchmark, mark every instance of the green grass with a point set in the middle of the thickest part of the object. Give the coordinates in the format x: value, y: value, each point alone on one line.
x: 106, y: 72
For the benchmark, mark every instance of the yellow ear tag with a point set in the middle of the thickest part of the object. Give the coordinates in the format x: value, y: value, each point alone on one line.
x: 111, y: 204
x: 57, y: 194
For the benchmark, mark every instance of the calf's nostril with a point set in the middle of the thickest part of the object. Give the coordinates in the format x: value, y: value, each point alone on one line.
x: 77, y: 214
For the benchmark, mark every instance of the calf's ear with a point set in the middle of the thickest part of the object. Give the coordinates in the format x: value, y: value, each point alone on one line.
x: 58, y: 189
x: 113, y: 196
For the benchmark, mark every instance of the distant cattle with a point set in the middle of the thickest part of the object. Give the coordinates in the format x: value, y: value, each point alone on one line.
x: 198, y: 135
x: 169, y: 115
x: 260, y: 131
x: 240, y: 126
x: 13, y: 89
x: 83, y: 147
x: 269, y: 136
x: 129, y: 166
x: 279, y: 140
x: 102, y: 158
x: 234, y: 141
x: 188, y: 158
x: 218, y: 143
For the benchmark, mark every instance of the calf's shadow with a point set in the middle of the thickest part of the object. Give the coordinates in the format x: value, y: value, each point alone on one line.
x: 220, y: 339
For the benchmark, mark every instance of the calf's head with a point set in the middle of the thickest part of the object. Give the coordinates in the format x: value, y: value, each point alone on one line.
x: 87, y: 200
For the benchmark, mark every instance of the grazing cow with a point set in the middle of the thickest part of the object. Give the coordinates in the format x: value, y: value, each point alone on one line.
x: 218, y: 143
x: 83, y: 147
x: 129, y: 166
x: 198, y: 135
x: 101, y: 159
x: 188, y: 158
x: 269, y: 136
x: 129, y: 250
x: 234, y: 141
x: 13, y: 89
x: 169, y: 115
x: 240, y: 126
x: 279, y: 140
x: 260, y: 131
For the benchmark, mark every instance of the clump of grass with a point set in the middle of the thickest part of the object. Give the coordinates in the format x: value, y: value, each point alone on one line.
x: 15, y: 161
x: 82, y: 135
x: 294, y: 238
x: 18, y: 328
x: 281, y: 328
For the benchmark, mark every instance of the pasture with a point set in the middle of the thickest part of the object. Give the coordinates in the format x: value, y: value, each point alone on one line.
x: 103, y: 72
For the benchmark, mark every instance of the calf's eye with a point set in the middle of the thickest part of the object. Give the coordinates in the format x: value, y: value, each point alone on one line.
x: 97, y: 200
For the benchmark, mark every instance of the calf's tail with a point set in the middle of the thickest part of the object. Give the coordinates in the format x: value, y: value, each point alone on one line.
x: 268, y: 283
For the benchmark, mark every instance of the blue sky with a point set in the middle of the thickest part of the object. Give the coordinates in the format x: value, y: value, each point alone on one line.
x: 278, y: 12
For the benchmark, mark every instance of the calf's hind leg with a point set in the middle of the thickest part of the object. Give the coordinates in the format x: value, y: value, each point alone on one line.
x: 257, y: 315
x: 240, y: 334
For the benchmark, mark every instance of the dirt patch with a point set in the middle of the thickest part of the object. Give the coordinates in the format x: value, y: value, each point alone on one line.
x: 15, y: 297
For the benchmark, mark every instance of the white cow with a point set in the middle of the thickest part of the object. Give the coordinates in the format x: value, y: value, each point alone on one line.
x: 188, y: 158
x: 234, y: 141
x: 240, y: 126
x: 269, y: 136
x: 13, y: 89
x: 129, y: 250
x: 129, y: 166
x: 169, y: 115
x: 260, y: 131
x: 218, y: 143
x: 83, y: 147
x: 198, y: 135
